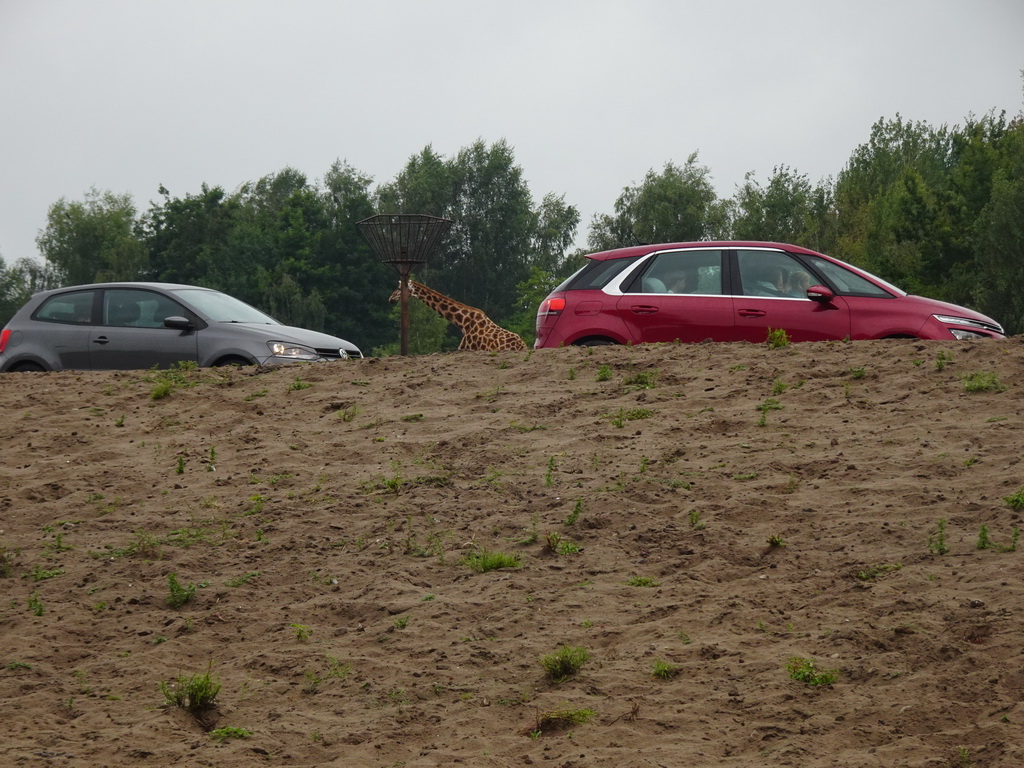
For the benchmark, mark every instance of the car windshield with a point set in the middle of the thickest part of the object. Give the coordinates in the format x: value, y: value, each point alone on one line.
x: 221, y: 308
x: 848, y: 281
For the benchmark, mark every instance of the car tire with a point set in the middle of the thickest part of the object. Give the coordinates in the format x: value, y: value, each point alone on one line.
x: 27, y: 367
x: 594, y: 343
x: 233, y: 360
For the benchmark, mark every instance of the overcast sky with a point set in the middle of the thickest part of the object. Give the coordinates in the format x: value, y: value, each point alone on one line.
x: 125, y: 95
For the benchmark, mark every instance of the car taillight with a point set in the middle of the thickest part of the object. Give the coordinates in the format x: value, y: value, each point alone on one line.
x: 552, y: 306
x: 5, y: 334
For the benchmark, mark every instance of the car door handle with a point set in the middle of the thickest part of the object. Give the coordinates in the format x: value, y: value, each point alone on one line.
x: 101, y: 340
x: 643, y: 309
x: 752, y: 313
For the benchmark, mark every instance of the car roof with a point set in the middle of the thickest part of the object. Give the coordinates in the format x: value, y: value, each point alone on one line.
x: 640, y: 250
x: 87, y: 286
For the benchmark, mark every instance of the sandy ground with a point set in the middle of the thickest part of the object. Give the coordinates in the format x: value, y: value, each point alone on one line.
x: 712, y: 511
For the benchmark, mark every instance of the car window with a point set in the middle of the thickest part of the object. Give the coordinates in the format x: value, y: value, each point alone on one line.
x: 125, y: 307
x: 221, y: 308
x: 690, y: 271
x: 847, y: 282
x: 597, y: 274
x: 772, y: 273
x: 75, y: 308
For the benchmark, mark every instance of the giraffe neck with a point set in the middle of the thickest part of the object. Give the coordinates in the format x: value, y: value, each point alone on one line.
x: 453, y: 311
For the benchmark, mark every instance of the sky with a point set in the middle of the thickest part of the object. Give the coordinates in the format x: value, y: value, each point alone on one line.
x: 128, y: 95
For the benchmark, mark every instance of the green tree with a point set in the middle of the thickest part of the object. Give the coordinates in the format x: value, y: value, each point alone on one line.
x: 900, y: 159
x: 428, y: 331
x: 781, y: 211
x: 283, y: 244
x: 822, y: 230
x: 554, y: 232
x: 425, y: 186
x: 357, y: 307
x: 497, y: 234
x: 18, y: 282
x: 909, y: 199
x: 183, y: 235
x: 488, y: 249
x: 679, y: 204
x: 93, y: 240
x: 999, y: 246
x: 529, y: 294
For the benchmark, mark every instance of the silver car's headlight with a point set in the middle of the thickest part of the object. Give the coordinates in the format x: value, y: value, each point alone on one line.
x: 292, y: 351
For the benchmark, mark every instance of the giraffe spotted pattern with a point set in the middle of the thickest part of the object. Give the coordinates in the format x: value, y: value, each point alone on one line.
x: 479, y: 332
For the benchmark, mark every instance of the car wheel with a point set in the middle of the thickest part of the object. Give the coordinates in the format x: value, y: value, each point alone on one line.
x: 27, y: 368
x: 594, y: 343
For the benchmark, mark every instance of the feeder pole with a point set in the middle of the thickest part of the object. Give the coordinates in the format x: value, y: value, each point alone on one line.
x: 404, y: 240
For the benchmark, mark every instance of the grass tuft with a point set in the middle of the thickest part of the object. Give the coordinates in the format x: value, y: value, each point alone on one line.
x: 663, y: 670
x: 194, y: 694
x: 564, y: 662
x: 179, y: 595
x: 804, y: 671
x: 484, y: 560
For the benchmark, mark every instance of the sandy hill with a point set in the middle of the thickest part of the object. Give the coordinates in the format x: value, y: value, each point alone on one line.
x: 711, y: 532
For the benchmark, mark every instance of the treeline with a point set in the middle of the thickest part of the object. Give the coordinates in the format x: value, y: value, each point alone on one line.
x: 937, y: 211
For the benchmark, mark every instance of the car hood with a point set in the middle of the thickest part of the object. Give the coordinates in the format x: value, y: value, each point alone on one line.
x: 289, y: 333
x: 936, y: 307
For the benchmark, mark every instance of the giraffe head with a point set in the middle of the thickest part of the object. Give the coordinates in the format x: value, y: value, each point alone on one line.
x: 397, y: 293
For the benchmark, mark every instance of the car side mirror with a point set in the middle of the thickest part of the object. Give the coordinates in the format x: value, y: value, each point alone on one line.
x: 178, y: 323
x: 820, y: 293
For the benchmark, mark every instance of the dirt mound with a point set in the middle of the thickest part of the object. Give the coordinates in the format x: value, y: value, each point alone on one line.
x: 708, y: 513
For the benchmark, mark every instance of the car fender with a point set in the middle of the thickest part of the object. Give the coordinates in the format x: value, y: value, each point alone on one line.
x: 8, y: 361
x: 12, y: 357
x: 597, y: 333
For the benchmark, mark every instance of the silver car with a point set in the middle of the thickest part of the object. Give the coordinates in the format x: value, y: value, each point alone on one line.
x: 109, y: 326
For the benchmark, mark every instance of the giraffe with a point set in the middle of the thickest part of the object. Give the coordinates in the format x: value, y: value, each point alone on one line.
x: 478, y: 330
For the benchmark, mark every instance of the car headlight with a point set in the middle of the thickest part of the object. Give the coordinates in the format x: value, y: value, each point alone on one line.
x: 292, y: 351
x: 965, y: 333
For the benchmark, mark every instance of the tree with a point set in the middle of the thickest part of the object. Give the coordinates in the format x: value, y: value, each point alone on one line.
x: 781, y: 211
x: 183, y: 235
x: 497, y: 235
x: 283, y: 244
x: 425, y: 186
x: 679, y: 204
x: 428, y: 331
x: 94, y: 240
x: 909, y: 199
x: 19, y: 282
x: 529, y: 294
x: 357, y: 305
x: 554, y: 233
x: 999, y: 247
x: 899, y: 160
x: 488, y: 249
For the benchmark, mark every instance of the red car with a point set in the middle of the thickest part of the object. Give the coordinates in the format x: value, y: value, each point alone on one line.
x: 736, y: 291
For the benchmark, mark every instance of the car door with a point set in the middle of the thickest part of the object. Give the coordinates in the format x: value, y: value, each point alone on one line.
x: 677, y: 296
x: 771, y: 292
x: 132, y: 334
x: 61, y: 329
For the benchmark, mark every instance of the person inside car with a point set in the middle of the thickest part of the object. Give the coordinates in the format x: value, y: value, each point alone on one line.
x: 680, y: 281
x: 768, y: 281
x: 798, y: 283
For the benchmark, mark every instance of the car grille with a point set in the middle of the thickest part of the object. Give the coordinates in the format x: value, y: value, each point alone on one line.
x: 993, y: 327
x: 332, y: 353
